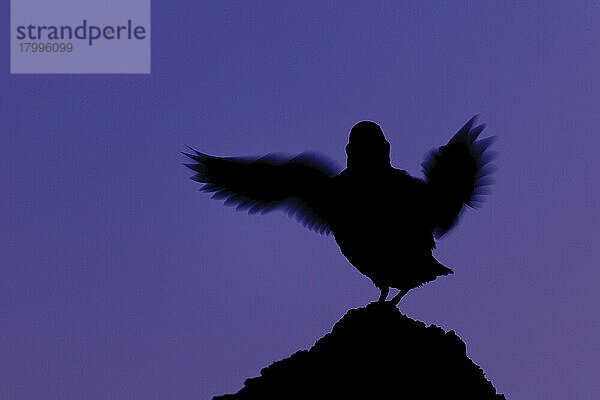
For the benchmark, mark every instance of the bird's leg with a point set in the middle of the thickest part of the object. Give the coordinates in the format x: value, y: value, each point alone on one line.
x: 384, y: 292
x: 396, y: 299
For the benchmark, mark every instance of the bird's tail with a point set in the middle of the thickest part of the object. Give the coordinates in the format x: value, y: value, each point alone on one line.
x: 439, y: 268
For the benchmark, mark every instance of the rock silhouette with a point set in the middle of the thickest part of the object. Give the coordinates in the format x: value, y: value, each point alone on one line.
x: 383, y: 219
x: 374, y: 353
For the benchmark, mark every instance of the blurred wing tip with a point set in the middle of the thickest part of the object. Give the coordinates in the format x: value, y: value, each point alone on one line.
x: 491, y: 139
x: 486, y: 170
x: 485, y: 143
x: 489, y: 156
x: 468, y: 134
x: 190, y: 148
x: 198, y: 167
x: 475, y: 204
x: 192, y: 156
x: 470, y: 122
x: 195, y: 154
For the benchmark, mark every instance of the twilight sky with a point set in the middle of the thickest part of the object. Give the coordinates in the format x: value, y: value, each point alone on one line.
x: 119, y: 280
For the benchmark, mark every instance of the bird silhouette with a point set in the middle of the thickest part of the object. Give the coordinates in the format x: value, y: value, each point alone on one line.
x: 384, y: 220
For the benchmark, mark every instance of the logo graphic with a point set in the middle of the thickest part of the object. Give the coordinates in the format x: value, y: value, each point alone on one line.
x: 80, y: 36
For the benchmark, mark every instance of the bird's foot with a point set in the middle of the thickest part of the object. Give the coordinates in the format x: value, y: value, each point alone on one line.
x: 396, y: 299
x: 384, y: 294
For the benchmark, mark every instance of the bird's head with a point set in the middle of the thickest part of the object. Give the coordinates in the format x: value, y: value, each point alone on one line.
x: 367, y: 147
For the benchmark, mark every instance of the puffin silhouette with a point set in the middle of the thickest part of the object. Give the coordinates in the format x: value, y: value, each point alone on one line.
x: 383, y: 219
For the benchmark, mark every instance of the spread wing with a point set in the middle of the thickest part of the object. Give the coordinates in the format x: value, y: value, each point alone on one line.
x: 458, y: 174
x: 297, y: 185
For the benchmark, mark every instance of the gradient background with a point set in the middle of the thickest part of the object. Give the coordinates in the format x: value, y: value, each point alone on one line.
x: 120, y: 281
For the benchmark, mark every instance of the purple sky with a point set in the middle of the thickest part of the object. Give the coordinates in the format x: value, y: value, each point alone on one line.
x: 119, y: 280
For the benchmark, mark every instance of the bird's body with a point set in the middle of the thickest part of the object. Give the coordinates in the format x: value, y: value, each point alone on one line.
x: 384, y: 231
x: 383, y: 219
